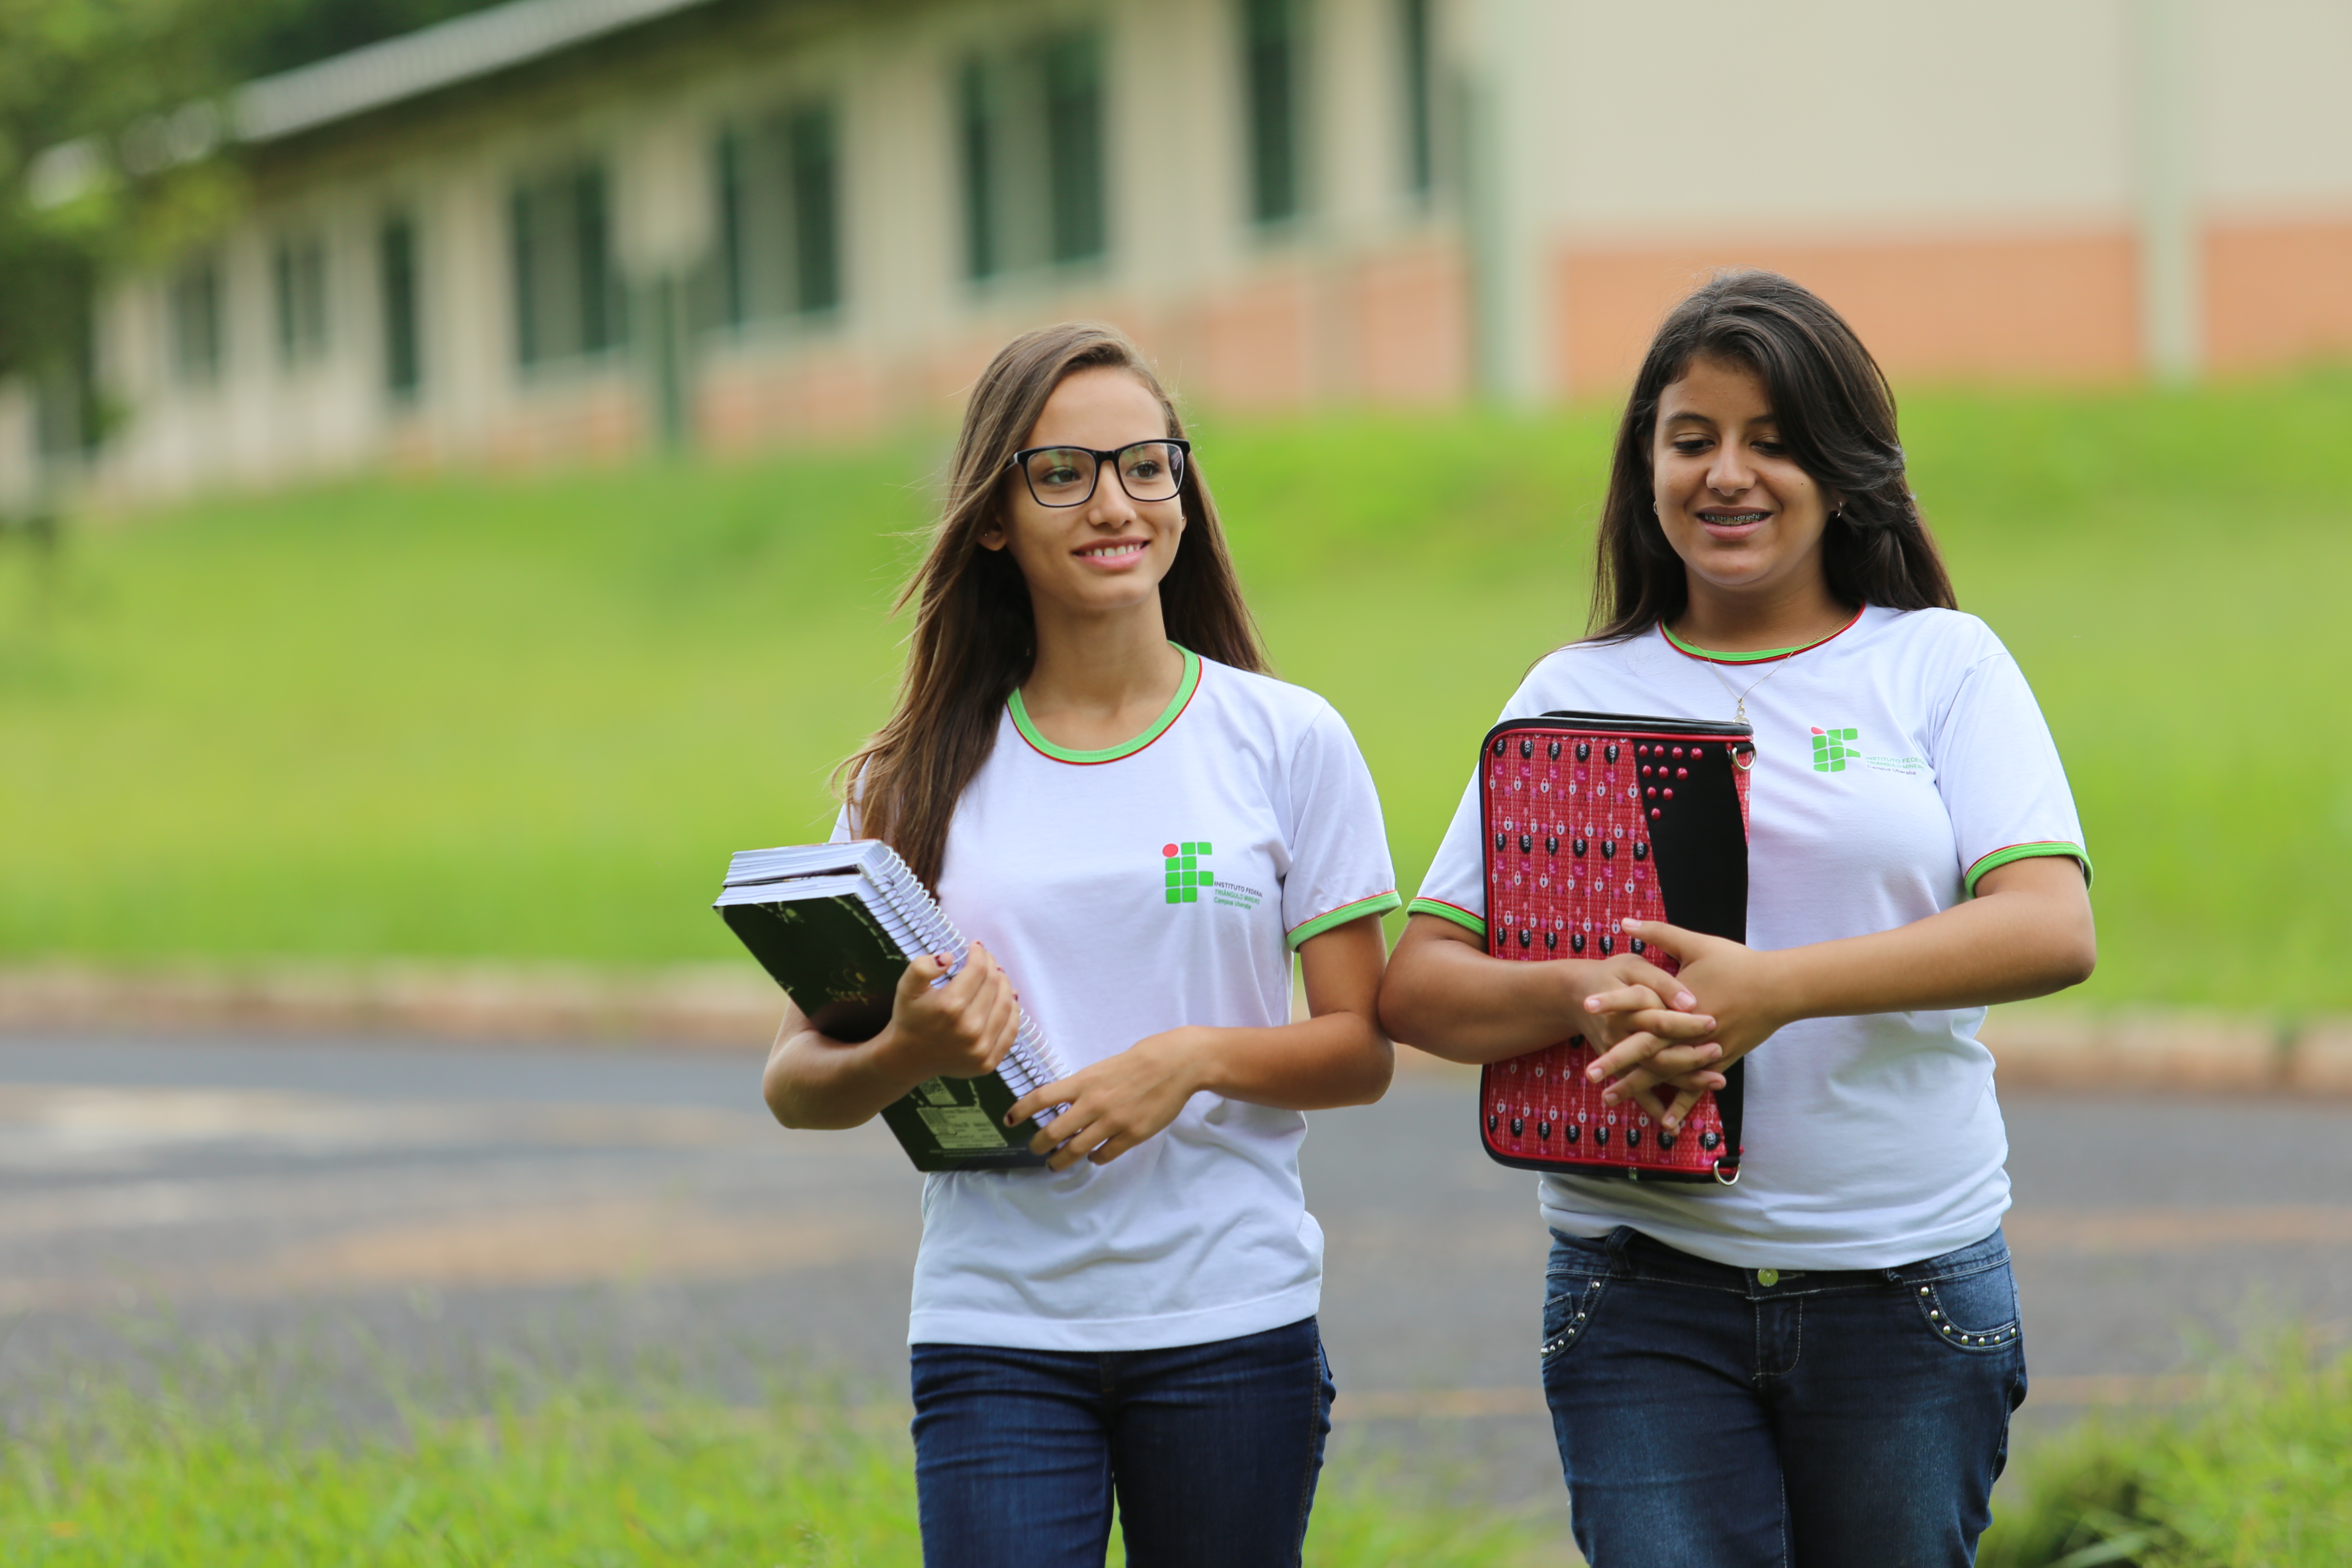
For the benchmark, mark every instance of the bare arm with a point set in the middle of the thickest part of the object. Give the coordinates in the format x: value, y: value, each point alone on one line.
x: 1446, y: 996
x: 960, y: 1029
x: 2027, y: 933
x: 1337, y: 1057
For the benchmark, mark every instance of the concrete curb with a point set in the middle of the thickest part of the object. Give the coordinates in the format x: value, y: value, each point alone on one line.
x: 727, y: 1006
x: 715, y: 1006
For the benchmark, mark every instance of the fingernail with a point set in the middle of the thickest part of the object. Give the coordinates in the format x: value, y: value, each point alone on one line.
x: 1593, y: 1073
x: 1684, y: 1002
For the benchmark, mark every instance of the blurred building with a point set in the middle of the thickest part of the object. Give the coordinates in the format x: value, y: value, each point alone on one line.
x: 573, y: 227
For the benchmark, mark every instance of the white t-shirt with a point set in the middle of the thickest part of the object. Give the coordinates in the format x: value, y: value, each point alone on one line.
x: 1898, y: 761
x: 1162, y: 882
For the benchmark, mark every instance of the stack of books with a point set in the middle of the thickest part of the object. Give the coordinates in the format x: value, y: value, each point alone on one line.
x: 836, y: 925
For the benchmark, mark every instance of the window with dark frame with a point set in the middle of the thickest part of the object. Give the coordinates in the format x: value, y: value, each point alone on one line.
x: 403, y: 348
x: 1418, y: 57
x: 194, y: 300
x: 1273, y: 50
x: 780, y: 218
x: 298, y: 278
x: 1030, y: 149
x: 568, y: 300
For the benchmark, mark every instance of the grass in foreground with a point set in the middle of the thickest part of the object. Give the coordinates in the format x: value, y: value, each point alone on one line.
x: 2258, y: 1476
x: 470, y: 717
x: 218, y: 1469
x: 240, y: 1459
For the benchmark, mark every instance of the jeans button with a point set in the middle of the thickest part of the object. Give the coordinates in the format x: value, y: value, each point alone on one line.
x: 1768, y: 1277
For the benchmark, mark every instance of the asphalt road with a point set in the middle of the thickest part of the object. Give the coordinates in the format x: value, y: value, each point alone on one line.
x: 448, y: 1202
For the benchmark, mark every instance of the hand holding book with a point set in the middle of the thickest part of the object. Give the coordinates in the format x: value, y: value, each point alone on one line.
x: 876, y: 969
x: 949, y: 1021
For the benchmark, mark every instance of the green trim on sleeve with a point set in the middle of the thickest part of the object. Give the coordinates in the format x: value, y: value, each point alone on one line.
x: 2001, y: 858
x: 1377, y: 904
x: 1184, y: 690
x: 1474, y: 924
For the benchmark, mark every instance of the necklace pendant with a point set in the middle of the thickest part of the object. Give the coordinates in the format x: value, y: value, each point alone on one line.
x: 1741, y: 717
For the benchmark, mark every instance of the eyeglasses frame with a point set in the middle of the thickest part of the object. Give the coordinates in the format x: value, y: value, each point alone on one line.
x: 1019, y: 461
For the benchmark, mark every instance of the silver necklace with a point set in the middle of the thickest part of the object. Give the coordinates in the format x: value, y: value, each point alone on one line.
x: 1740, y: 697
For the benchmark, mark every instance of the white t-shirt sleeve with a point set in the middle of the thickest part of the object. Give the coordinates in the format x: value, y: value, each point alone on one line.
x: 1339, y: 847
x: 1456, y: 887
x: 1999, y: 770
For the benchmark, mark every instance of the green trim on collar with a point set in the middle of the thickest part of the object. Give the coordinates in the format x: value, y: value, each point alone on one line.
x: 1759, y: 656
x: 1446, y: 911
x: 2001, y: 858
x: 1168, y: 715
x: 1377, y: 904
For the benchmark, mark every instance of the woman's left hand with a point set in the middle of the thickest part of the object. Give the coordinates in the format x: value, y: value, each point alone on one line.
x: 1118, y: 1102
x: 1737, y: 985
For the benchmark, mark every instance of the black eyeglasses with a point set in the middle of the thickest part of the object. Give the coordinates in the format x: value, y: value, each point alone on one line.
x: 1066, y: 476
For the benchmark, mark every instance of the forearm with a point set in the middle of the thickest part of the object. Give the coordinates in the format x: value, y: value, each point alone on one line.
x: 2005, y: 946
x: 1338, y: 1058
x: 1969, y: 956
x: 812, y: 1081
x: 1453, y: 1001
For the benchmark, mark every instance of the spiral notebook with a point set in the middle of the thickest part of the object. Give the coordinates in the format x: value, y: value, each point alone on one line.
x: 836, y: 925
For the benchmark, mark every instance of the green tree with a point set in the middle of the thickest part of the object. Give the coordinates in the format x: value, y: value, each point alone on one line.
x: 107, y: 111
x: 113, y: 118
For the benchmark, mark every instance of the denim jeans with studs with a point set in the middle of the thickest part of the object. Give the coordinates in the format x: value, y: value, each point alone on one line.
x: 1772, y: 1418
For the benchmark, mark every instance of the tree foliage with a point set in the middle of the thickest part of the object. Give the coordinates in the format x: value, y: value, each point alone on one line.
x: 112, y: 114
x: 102, y: 103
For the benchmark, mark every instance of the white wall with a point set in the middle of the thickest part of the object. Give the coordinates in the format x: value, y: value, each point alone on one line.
x: 1832, y: 115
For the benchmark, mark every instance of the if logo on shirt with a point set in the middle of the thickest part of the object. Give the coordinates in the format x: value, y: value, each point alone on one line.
x: 1830, y: 752
x: 1188, y: 870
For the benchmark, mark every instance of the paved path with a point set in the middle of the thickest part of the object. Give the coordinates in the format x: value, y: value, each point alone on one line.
x: 446, y: 1200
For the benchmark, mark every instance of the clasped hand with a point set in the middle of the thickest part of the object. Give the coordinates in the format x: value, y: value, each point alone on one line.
x: 1649, y: 1030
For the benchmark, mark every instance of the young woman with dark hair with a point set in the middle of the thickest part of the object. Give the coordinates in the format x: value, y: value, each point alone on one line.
x: 1816, y: 1365
x: 1090, y: 767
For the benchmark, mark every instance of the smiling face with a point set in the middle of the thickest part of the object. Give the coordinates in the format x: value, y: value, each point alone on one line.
x: 1109, y: 554
x: 1745, y: 519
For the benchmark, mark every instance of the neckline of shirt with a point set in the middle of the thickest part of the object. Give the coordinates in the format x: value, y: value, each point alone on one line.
x: 1128, y: 748
x: 1761, y: 655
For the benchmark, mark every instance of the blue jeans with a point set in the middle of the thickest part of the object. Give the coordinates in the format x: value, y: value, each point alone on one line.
x: 1827, y: 1419
x: 1214, y: 1451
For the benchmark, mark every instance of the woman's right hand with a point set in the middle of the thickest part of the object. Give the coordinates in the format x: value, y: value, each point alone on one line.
x: 960, y: 1029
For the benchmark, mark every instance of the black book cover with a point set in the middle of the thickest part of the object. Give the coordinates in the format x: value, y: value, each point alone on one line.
x: 841, y: 969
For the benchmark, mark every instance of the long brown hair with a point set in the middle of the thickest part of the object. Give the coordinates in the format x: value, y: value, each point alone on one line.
x: 975, y: 636
x: 1836, y: 415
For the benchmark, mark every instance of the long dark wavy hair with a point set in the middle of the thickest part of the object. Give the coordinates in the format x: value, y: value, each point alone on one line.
x: 1836, y: 415
x: 975, y: 636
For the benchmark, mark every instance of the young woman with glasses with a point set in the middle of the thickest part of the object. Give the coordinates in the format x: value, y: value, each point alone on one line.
x: 1138, y: 826
x: 1817, y: 1364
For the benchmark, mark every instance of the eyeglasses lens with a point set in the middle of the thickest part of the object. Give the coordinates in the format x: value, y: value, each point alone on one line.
x: 1061, y: 475
x: 1151, y: 471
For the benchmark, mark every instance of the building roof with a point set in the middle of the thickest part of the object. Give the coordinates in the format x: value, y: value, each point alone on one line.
x: 430, y: 58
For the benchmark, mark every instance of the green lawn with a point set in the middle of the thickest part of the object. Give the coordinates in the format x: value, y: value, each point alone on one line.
x: 527, y: 718
x: 235, y: 1460
x: 251, y: 1457
x: 2253, y: 1475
